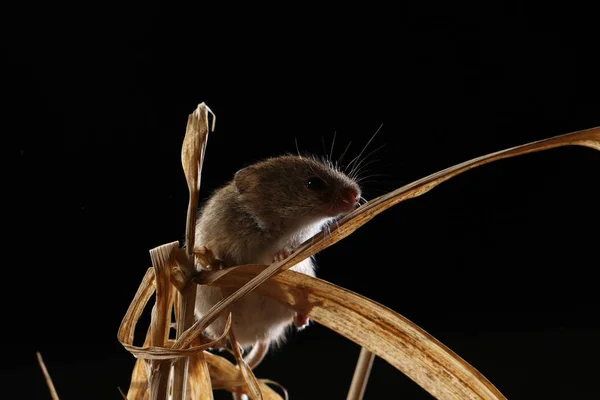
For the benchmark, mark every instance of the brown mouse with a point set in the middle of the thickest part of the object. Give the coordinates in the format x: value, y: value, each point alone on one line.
x: 260, y: 216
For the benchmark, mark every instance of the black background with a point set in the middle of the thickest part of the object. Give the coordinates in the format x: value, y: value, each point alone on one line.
x: 498, y: 263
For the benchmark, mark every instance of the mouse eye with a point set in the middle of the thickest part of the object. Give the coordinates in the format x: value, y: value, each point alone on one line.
x: 315, y: 183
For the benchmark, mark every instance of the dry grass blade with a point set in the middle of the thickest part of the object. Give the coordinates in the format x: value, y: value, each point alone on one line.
x: 354, y: 220
x: 199, y: 385
x: 134, y: 312
x: 192, y: 155
x: 51, y: 387
x: 138, y: 388
x: 162, y: 260
x: 127, y: 328
x: 377, y: 328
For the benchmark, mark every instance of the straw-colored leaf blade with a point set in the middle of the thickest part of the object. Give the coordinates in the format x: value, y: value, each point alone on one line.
x: 347, y: 225
x: 382, y: 331
x: 167, y: 353
x: 134, y: 312
x: 192, y: 156
x: 195, y: 137
x: 359, y: 217
x: 138, y: 386
x: 199, y: 386
x: 162, y: 260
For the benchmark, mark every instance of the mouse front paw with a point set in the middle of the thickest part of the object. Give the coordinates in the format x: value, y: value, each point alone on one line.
x: 301, y: 321
x: 282, y: 254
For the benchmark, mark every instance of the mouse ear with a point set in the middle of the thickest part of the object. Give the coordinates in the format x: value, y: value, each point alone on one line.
x: 245, y: 179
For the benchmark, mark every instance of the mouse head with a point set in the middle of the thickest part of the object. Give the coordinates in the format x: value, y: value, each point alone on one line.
x: 292, y: 190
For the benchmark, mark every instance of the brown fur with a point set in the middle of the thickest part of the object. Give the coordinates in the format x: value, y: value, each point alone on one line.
x: 266, y: 208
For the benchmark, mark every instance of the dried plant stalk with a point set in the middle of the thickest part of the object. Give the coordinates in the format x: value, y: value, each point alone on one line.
x: 361, y: 375
x: 199, y: 383
x: 192, y: 157
x: 51, y: 387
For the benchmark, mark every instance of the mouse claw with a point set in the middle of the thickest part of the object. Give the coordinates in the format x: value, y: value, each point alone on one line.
x: 207, y: 259
x: 301, y: 321
x: 282, y: 254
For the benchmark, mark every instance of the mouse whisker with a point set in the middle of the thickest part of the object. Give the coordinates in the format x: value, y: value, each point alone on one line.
x: 366, y: 164
x: 297, y: 148
x: 343, y: 154
x: 356, y: 169
x: 363, y: 179
x: 323, y: 144
x: 355, y: 159
x: 332, y: 145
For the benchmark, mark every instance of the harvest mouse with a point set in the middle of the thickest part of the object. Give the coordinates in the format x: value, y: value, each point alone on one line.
x: 259, y: 217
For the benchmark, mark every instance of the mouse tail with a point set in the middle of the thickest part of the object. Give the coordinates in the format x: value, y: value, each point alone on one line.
x: 256, y: 355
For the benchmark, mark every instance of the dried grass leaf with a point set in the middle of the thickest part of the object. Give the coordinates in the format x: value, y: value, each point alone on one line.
x: 162, y: 260
x: 192, y: 155
x: 138, y: 387
x: 199, y: 385
x: 382, y: 331
x: 356, y: 219
x: 160, y: 369
x: 132, y: 316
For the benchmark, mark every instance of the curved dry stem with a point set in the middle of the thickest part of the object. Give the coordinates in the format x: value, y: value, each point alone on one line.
x: 49, y: 383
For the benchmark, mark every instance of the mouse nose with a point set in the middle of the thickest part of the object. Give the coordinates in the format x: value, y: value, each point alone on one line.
x: 352, y: 195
